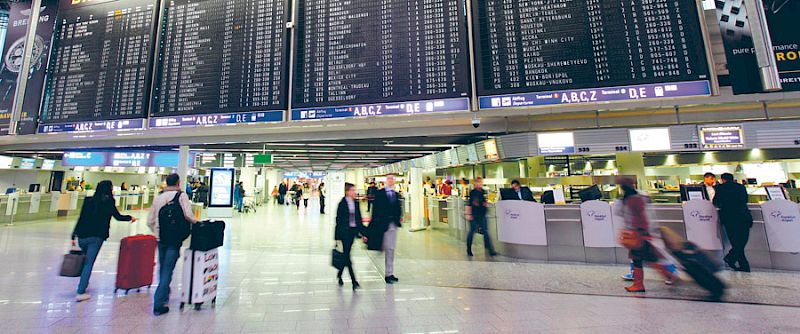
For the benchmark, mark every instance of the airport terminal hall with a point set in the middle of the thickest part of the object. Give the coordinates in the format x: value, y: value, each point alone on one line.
x: 399, y: 166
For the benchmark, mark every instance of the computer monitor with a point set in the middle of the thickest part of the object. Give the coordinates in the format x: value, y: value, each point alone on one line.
x: 548, y: 197
x: 34, y: 188
x: 508, y: 194
x: 591, y: 193
x: 693, y: 191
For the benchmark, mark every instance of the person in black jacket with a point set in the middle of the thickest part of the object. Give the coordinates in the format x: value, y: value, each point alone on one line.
x: 348, y: 227
x: 522, y: 193
x: 387, y: 217
x: 282, y: 189
x: 92, y: 229
x: 371, y: 190
x: 731, y: 199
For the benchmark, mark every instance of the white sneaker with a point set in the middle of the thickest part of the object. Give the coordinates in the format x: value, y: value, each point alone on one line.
x: 83, y: 297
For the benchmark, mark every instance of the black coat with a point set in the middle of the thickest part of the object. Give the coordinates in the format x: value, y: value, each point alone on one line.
x: 384, y: 212
x: 731, y: 199
x: 282, y: 189
x: 527, y: 194
x: 343, y: 229
x: 95, y: 218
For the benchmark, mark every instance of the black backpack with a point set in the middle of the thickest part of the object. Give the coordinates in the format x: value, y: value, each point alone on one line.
x: 173, y: 227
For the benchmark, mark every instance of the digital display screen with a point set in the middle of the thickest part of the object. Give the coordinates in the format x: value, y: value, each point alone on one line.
x: 221, y: 187
x: 363, y: 53
x: 48, y: 164
x: 731, y: 136
x: 556, y: 143
x: 226, y: 58
x: 650, y: 140
x: 27, y: 163
x: 533, y: 52
x: 123, y: 159
x: 100, y: 67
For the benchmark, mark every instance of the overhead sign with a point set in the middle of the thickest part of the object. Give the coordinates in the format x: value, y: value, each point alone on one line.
x: 382, y: 109
x: 472, y: 153
x: 556, y: 143
x: 92, y: 126
x: 122, y: 159
x: 650, y: 140
x: 490, y: 146
x: 729, y: 136
x: 27, y: 163
x: 262, y: 159
x: 781, y: 17
x: 48, y: 164
x: 216, y: 119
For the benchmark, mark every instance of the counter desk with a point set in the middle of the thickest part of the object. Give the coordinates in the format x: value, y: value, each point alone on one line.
x: 21, y: 208
x: 588, y: 232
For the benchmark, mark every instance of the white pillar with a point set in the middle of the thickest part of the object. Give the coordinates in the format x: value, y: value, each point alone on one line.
x: 416, y: 195
x: 183, y: 165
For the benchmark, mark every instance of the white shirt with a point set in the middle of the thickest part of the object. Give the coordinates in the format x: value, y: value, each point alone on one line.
x: 162, y: 200
x: 711, y: 192
x: 351, y: 206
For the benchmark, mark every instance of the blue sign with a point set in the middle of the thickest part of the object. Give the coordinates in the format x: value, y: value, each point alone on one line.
x: 217, y: 119
x: 607, y: 94
x: 123, y: 159
x: 382, y: 109
x: 92, y: 126
x: 27, y: 163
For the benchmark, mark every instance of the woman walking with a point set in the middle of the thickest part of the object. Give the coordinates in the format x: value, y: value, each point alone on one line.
x: 348, y: 227
x: 92, y: 230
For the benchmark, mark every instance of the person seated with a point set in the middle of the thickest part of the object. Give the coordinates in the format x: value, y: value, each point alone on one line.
x: 519, y: 193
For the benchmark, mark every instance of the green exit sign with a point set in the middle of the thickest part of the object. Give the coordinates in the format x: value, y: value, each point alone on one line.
x: 262, y: 159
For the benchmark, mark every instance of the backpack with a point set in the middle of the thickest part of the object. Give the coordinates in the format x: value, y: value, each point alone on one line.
x: 173, y: 227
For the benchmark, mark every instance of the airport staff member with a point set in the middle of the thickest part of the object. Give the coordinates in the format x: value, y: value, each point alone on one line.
x: 731, y: 199
x: 387, y: 217
x: 524, y: 193
x: 709, y: 182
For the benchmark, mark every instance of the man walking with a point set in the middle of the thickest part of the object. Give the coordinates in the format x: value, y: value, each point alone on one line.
x: 170, y: 219
x: 476, y: 215
x: 386, y: 219
x: 282, y: 189
x: 731, y: 199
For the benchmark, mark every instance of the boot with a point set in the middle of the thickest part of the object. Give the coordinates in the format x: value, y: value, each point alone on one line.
x: 638, y: 281
x: 669, y: 271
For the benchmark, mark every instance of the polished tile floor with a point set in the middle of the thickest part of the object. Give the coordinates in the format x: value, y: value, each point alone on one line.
x: 275, y: 277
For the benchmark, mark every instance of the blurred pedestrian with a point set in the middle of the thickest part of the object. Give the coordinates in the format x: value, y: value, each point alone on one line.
x: 387, y: 217
x: 348, y: 227
x: 476, y: 215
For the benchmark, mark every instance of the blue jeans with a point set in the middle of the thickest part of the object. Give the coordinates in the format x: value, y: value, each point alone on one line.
x: 167, y: 258
x: 479, y: 221
x: 90, y: 247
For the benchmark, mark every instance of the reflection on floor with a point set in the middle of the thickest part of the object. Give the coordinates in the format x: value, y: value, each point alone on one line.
x: 275, y: 277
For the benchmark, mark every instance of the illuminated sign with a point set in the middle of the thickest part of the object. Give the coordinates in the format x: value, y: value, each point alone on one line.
x: 650, y: 140
x: 27, y: 163
x: 48, y: 164
x: 556, y: 143
x: 122, y: 159
x: 729, y: 136
x: 491, y: 150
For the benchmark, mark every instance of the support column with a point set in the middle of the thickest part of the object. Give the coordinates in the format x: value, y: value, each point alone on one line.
x: 416, y: 194
x: 183, y: 165
x: 762, y: 43
x: 22, y: 77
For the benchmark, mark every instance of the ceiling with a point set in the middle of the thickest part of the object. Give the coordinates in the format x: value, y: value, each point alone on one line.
x: 317, y: 155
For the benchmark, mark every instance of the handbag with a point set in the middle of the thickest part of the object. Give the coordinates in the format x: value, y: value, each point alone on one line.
x: 72, y: 264
x: 338, y: 258
x: 630, y: 239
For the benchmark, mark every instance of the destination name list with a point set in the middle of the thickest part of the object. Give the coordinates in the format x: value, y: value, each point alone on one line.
x: 537, y: 45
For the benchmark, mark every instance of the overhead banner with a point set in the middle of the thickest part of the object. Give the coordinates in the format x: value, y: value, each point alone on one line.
x: 781, y: 16
x: 18, y: 18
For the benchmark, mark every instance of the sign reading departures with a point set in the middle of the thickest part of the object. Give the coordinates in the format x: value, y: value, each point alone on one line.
x: 221, y: 62
x: 535, y: 52
x: 101, y: 64
x: 227, y: 62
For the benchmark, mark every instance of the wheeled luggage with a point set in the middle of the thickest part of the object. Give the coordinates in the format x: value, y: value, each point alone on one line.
x: 200, y: 276
x: 207, y: 235
x: 137, y: 258
x: 695, y: 262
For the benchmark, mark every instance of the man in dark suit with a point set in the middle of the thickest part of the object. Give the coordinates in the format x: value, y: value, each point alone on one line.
x: 731, y: 199
x: 348, y: 226
x: 387, y: 217
x: 371, y: 190
x: 523, y: 193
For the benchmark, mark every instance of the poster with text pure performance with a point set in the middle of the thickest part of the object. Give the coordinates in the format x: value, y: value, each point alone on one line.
x: 19, y: 14
x: 737, y: 37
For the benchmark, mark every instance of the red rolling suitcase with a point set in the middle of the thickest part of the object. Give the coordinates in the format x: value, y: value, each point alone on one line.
x: 137, y: 258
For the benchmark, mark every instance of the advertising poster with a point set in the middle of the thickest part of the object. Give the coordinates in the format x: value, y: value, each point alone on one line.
x: 221, y: 187
x: 19, y: 15
x: 781, y: 18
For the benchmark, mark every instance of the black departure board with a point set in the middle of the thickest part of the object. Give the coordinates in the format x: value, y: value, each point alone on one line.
x: 551, y: 45
x: 101, y: 64
x: 219, y: 56
x: 379, y: 51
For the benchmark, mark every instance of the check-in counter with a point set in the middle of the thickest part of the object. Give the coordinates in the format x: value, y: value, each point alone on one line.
x: 588, y: 232
x: 21, y: 208
x: 438, y: 212
x: 70, y: 203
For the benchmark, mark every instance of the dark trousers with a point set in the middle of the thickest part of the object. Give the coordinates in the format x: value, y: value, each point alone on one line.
x: 305, y: 202
x: 369, y: 205
x: 281, y: 198
x: 167, y: 259
x: 347, y: 245
x: 738, y: 236
x: 321, y: 204
x: 477, y: 222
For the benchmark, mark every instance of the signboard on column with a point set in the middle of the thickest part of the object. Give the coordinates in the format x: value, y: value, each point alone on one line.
x: 18, y: 18
x: 221, y: 203
x: 702, y: 224
x: 781, y: 17
x: 782, y: 220
x: 521, y: 222
x: 598, y: 228
x: 334, y: 185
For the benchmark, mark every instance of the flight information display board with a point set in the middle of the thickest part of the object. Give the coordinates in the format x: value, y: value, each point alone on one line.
x: 100, y: 68
x: 221, y: 62
x: 534, y: 52
x: 380, y: 57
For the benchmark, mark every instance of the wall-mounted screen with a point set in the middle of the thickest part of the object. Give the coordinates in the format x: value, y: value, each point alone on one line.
x: 726, y: 136
x: 650, y: 140
x: 27, y: 163
x: 556, y: 143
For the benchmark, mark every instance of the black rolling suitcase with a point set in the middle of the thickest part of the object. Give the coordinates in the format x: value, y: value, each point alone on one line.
x: 695, y: 262
x: 207, y: 235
